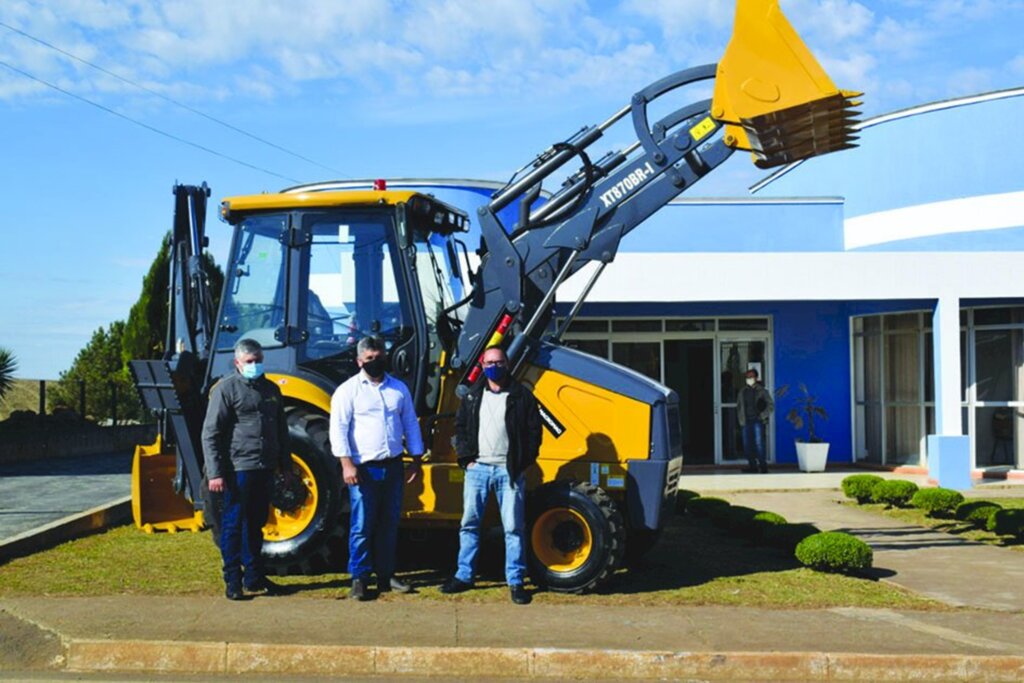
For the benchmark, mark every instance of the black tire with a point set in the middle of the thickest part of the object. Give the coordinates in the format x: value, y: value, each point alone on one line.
x: 576, y: 538
x: 213, y: 510
x: 319, y: 542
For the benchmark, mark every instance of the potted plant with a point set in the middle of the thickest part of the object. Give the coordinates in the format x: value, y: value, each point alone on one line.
x: 812, y: 451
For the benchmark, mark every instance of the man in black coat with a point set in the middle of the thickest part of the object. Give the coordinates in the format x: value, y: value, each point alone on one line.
x: 245, y: 439
x: 497, y: 438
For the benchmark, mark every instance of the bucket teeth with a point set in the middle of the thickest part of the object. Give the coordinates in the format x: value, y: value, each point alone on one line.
x: 818, y: 127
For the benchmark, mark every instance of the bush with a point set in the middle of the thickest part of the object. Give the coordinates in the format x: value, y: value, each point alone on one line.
x: 976, y: 512
x: 1007, y: 522
x: 683, y: 497
x: 938, y: 502
x: 761, y: 521
x: 702, y: 507
x: 734, y: 518
x: 787, y: 536
x: 894, y: 492
x: 860, y: 486
x: 834, y: 551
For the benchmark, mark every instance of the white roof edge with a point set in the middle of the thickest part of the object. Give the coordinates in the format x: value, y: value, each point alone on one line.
x: 902, y: 114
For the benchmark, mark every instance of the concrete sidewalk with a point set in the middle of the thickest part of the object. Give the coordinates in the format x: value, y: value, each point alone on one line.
x: 932, y: 563
x: 407, y: 635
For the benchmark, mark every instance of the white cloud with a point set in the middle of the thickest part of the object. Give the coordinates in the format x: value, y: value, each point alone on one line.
x: 1016, y: 65
x: 969, y: 81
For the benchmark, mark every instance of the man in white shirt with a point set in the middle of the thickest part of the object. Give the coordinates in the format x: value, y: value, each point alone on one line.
x: 371, y: 414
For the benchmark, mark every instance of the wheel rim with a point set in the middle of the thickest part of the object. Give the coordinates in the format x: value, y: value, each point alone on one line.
x: 283, y: 525
x: 561, y: 539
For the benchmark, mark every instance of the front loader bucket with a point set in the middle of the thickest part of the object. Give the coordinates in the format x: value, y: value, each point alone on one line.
x: 776, y: 100
x: 156, y: 506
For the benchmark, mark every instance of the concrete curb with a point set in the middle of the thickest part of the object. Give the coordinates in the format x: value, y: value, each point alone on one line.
x: 176, y: 657
x: 72, y: 526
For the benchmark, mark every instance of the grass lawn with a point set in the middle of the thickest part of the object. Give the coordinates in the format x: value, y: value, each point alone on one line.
x: 952, y: 526
x: 693, y: 564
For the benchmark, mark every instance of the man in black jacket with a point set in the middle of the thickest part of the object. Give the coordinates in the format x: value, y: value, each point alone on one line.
x: 245, y: 438
x: 497, y: 437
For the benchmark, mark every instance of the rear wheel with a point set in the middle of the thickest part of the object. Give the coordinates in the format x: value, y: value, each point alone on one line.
x: 577, y: 537
x: 309, y: 538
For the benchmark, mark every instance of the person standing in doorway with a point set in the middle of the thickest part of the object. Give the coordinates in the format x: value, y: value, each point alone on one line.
x: 497, y: 438
x: 245, y: 438
x: 371, y: 414
x: 754, y: 406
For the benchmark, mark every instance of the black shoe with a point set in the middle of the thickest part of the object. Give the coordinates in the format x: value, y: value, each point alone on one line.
x: 454, y: 585
x: 265, y: 587
x: 358, y: 591
x: 234, y: 593
x: 764, y: 469
x: 386, y: 585
x: 519, y: 594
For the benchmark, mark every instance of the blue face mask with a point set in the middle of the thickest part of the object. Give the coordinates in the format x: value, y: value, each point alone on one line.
x: 252, y: 370
x: 496, y: 373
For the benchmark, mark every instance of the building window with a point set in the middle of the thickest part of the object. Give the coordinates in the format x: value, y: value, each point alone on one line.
x: 894, y: 387
x: 891, y: 378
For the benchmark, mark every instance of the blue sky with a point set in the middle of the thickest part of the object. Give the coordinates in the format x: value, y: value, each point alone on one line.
x: 367, y: 88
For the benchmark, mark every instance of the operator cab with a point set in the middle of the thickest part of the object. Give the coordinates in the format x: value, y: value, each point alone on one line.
x: 311, y: 273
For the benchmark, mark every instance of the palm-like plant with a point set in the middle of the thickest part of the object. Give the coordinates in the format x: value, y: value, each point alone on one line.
x: 805, y: 409
x: 8, y: 365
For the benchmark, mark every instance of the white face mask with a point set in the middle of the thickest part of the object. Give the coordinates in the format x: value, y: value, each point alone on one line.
x: 751, y: 381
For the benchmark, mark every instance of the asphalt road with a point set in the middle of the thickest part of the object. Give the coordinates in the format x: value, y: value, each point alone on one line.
x: 43, y: 491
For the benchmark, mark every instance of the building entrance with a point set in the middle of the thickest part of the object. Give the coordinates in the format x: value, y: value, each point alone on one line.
x: 704, y: 361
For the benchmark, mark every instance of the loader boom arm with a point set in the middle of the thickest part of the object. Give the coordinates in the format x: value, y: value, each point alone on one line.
x: 771, y: 97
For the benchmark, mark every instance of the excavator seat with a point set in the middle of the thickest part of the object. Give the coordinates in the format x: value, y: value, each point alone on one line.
x: 773, y: 96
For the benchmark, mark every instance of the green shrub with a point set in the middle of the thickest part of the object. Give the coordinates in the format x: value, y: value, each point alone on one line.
x: 834, y: 551
x: 860, y: 486
x: 735, y: 518
x: 683, y: 497
x: 976, y: 512
x: 1007, y: 522
x: 761, y: 521
x: 894, y: 492
x: 702, y: 507
x: 787, y: 536
x: 937, y: 502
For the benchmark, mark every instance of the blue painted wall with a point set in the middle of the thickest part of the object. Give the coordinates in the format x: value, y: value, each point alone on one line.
x: 811, y: 344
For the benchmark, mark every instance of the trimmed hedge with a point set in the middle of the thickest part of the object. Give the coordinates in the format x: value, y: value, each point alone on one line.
x: 937, y: 502
x: 834, y: 551
x: 976, y: 512
x: 683, y: 497
x: 761, y: 521
x: 702, y: 507
x: 1007, y: 522
x: 735, y: 518
x: 894, y: 492
x: 860, y: 486
x: 787, y: 536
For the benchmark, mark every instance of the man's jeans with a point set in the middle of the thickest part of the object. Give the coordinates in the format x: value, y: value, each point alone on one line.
x: 376, y: 507
x: 481, y: 479
x: 246, y: 505
x: 753, y: 443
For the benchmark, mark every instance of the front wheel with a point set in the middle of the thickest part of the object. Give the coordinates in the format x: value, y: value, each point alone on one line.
x: 308, y: 538
x: 577, y: 537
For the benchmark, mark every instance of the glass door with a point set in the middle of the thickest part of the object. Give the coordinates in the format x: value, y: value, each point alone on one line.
x: 736, y: 356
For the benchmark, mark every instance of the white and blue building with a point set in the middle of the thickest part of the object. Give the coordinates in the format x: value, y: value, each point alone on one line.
x: 887, y: 279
